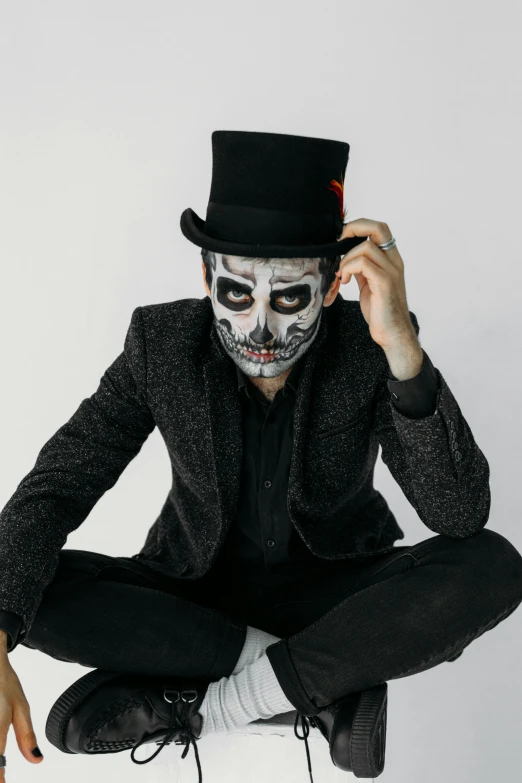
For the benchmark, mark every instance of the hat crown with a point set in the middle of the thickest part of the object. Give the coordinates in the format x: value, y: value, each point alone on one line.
x: 273, y: 195
x: 277, y: 171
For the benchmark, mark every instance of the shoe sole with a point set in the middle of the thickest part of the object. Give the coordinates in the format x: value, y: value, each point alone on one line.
x: 368, y: 733
x: 69, y: 701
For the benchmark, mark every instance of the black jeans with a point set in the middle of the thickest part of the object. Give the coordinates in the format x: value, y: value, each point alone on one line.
x: 366, y: 622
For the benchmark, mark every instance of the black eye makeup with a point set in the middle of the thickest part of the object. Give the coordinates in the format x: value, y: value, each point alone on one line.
x: 238, y: 296
x: 291, y: 300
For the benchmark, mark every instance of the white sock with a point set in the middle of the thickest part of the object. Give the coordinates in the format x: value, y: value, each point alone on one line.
x: 256, y: 642
x: 233, y: 701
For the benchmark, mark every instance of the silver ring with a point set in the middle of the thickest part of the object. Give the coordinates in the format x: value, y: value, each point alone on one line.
x: 387, y: 245
x: 3, y: 761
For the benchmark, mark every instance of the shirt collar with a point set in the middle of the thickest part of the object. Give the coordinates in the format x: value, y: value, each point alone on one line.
x: 291, y: 381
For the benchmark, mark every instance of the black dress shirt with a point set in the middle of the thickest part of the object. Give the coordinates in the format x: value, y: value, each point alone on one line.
x: 262, y: 545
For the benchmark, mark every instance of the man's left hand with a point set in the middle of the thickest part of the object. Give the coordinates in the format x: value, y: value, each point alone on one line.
x: 380, y: 277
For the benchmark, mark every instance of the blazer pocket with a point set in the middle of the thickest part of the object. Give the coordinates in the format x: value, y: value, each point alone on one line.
x: 343, y: 427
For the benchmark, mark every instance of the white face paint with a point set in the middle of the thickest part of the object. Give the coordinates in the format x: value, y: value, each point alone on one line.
x: 267, y: 313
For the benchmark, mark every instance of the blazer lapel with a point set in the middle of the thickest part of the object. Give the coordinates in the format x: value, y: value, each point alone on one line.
x: 302, y: 403
x: 226, y: 435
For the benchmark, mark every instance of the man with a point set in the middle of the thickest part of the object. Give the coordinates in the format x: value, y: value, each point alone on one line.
x: 270, y: 581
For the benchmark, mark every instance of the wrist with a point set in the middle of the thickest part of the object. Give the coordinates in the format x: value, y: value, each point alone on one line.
x: 405, y: 360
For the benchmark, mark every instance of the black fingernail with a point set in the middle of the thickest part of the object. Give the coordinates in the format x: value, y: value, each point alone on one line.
x: 37, y: 752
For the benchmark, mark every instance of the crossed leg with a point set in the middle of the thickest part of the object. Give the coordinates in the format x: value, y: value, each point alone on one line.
x: 401, y: 613
x: 414, y: 609
x: 115, y: 613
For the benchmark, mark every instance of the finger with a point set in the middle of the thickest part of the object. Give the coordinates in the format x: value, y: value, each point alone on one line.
x: 377, y: 232
x: 371, y: 251
x: 4, y: 728
x: 24, y: 732
x: 378, y: 279
x: 373, y: 254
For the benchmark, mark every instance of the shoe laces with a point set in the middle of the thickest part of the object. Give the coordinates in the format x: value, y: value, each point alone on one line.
x: 178, y: 726
x: 306, y: 722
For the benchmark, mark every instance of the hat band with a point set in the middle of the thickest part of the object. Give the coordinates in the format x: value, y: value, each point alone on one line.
x: 256, y: 225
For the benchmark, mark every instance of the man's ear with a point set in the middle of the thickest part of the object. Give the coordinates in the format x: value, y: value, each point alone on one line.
x: 332, y: 292
x: 207, y: 289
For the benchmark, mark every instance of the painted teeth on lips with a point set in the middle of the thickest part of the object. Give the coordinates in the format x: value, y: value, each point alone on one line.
x: 263, y: 352
x: 263, y: 355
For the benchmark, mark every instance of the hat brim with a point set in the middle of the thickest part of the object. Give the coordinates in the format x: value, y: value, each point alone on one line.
x: 193, y: 228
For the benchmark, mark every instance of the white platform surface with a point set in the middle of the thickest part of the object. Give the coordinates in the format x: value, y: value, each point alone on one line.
x: 260, y: 752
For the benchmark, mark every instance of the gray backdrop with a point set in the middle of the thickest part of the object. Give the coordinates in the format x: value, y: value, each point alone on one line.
x: 106, y: 114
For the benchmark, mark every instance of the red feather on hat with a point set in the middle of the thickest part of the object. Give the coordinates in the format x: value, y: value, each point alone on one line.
x: 338, y: 189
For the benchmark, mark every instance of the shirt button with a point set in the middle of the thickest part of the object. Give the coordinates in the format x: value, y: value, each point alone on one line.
x: 271, y: 542
x: 268, y: 483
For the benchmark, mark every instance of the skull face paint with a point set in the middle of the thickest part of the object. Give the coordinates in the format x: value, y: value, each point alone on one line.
x: 267, y: 313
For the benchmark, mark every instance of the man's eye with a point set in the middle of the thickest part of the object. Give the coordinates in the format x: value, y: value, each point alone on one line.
x: 291, y: 304
x: 233, y: 291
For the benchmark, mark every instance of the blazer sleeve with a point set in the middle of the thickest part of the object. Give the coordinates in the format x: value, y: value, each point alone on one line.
x: 11, y: 623
x: 416, y: 397
x: 435, y: 460
x: 76, y: 466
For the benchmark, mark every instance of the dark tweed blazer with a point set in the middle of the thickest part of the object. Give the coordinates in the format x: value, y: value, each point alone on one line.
x: 174, y: 374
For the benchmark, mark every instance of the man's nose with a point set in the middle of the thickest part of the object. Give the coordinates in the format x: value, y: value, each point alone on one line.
x: 261, y: 334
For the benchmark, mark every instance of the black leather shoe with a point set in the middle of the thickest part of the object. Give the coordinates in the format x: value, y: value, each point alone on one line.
x: 355, y: 728
x: 107, y: 712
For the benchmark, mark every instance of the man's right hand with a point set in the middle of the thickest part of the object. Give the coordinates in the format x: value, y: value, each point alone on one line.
x: 14, y: 709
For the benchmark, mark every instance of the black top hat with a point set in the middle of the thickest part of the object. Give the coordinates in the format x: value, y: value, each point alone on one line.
x: 273, y: 195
